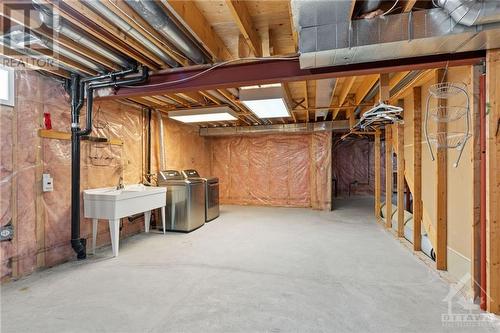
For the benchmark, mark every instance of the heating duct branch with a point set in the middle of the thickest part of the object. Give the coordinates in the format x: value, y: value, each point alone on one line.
x: 101, y: 9
x: 52, y: 20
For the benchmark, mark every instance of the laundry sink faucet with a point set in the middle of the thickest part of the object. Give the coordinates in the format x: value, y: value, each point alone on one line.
x: 120, y: 184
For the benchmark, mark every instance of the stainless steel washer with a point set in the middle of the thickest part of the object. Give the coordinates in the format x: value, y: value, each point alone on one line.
x: 185, y: 208
x: 211, y: 193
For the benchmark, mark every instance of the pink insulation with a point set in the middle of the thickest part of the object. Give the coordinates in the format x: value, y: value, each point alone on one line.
x: 273, y: 170
x: 42, y: 220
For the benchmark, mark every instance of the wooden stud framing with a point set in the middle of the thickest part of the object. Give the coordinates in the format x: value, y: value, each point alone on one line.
x: 409, y: 6
x: 475, y: 73
x: 417, y: 168
x: 388, y: 176
x: 401, y: 177
x: 58, y: 135
x: 377, y: 159
x: 493, y: 181
x: 441, y: 186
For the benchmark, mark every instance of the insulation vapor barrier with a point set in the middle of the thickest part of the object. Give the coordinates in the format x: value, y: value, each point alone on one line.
x: 353, y: 167
x: 41, y: 221
x: 273, y: 170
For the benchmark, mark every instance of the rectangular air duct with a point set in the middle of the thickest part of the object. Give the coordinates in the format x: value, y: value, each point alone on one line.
x: 328, y: 41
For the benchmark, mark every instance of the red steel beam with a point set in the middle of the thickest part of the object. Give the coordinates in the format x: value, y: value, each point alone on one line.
x: 272, y: 71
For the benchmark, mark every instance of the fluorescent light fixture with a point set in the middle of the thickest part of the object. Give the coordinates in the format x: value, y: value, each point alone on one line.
x: 265, y: 101
x: 203, y: 115
x: 268, y: 108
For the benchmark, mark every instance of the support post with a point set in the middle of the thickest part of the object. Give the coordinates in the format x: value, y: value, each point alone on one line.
x: 388, y: 176
x: 376, y: 160
x: 442, y: 183
x: 417, y: 168
x: 492, y: 223
x: 401, y: 177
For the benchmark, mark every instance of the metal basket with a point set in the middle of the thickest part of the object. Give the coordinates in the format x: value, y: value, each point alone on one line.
x: 447, y: 89
x: 445, y: 114
x: 449, y: 139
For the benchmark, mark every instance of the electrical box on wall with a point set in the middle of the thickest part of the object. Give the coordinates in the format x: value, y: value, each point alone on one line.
x: 47, y: 183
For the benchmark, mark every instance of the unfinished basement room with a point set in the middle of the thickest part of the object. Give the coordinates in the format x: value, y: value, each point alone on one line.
x: 250, y: 166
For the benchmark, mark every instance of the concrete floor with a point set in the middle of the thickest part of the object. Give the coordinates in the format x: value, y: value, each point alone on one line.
x: 253, y: 270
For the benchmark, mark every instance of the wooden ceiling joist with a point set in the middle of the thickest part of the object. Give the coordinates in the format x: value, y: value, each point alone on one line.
x: 364, y: 88
x: 346, y: 88
x: 419, y: 80
x: 243, y: 19
x: 409, y: 6
x: 188, y: 14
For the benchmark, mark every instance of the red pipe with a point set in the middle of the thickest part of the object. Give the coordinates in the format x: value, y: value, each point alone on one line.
x: 482, y: 213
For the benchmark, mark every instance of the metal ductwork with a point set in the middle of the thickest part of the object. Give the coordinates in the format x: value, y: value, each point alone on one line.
x: 155, y: 16
x: 17, y: 39
x: 327, y: 37
x: 472, y: 12
x: 325, y: 126
x: 56, y: 23
x: 101, y: 9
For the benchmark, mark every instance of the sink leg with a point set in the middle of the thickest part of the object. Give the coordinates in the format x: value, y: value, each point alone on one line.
x: 94, y: 234
x: 114, y: 232
x: 147, y: 220
x: 163, y: 218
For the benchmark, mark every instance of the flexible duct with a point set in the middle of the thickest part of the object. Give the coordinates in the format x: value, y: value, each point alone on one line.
x: 162, y: 143
x: 53, y: 21
x: 115, y: 19
x: 155, y: 16
x: 471, y: 12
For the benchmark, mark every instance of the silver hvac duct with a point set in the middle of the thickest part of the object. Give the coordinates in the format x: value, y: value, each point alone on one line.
x: 68, y: 54
x: 325, y: 126
x: 53, y: 21
x: 15, y: 40
x: 330, y: 41
x: 471, y: 12
x: 155, y: 16
x: 115, y: 19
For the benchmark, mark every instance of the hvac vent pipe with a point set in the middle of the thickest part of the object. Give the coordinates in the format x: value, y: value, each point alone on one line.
x: 155, y: 16
x: 115, y: 19
x: 471, y: 12
x: 53, y: 21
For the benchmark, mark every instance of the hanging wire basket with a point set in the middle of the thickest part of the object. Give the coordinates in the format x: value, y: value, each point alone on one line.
x: 445, y: 114
x: 447, y: 89
x: 449, y: 140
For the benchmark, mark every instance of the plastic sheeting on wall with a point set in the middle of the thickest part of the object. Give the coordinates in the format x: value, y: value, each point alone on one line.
x: 273, y: 170
x: 42, y: 220
x: 353, y: 167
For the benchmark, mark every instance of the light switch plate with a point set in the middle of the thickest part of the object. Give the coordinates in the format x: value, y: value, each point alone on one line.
x: 47, y: 183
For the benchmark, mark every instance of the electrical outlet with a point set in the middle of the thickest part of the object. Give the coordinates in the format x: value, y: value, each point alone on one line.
x: 47, y: 183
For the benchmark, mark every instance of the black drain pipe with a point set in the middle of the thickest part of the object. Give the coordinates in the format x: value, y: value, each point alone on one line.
x: 78, y: 87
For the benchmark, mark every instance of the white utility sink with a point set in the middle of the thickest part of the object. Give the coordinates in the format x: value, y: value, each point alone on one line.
x: 112, y: 204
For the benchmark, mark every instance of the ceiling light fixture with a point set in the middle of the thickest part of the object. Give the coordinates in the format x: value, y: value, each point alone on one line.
x: 265, y: 101
x: 203, y: 115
